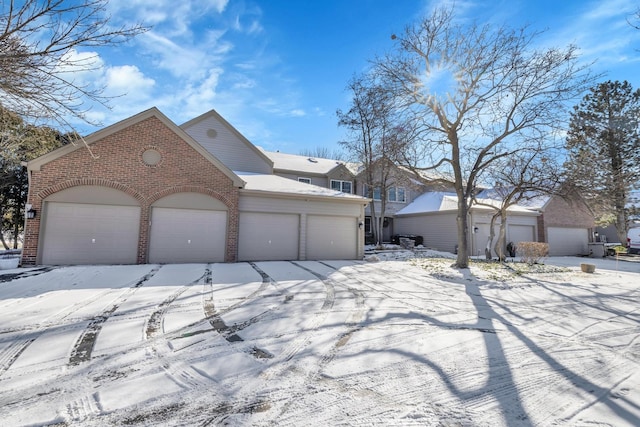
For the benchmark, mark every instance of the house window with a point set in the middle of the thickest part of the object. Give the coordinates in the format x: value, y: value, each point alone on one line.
x: 396, y: 194
x: 344, y: 186
x: 305, y: 180
x: 376, y: 193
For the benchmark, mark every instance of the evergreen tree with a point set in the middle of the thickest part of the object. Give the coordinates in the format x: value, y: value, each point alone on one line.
x: 19, y: 142
x: 603, y: 142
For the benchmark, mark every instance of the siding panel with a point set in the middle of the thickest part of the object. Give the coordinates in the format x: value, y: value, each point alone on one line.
x: 438, y: 230
x: 227, y: 147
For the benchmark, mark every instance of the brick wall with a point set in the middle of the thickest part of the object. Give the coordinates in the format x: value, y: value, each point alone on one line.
x: 569, y: 212
x: 119, y: 165
x: 564, y: 212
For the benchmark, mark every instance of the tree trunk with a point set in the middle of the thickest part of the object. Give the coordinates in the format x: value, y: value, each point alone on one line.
x: 4, y: 243
x: 502, y: 236
x: 492, y: 234
x: 375, y: 224
x: 463, y: 229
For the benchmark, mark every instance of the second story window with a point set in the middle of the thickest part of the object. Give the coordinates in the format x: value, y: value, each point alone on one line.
x: 396, y: 194
x: 305, y: 180
x: 344, y: 186
x: 376, y: 195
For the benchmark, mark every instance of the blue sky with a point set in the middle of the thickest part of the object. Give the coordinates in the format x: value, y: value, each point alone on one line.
x: 277, y: 70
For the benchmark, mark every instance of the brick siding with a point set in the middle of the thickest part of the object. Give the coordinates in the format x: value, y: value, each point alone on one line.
x: 568, y: 212
x: 119, y: 165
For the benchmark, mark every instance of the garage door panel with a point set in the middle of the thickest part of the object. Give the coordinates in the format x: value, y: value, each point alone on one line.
x: 521, y: 233
x: 187, y: 235
x: 331, y: 237
x: 90, y: 234
x: 268, y: 236
x: 567, y: 241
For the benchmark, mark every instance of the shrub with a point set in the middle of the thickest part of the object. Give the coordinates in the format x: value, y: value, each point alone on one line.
x: 532, y: 252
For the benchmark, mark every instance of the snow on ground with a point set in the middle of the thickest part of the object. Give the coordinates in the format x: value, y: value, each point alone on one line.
x: 395, y: 340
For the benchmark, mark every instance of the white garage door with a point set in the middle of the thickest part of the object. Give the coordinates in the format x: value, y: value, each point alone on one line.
x: 268, y: 237
x: 331, y: 237
x: 77, y: 233
x: 567, y: 241
x: 521, y: 233
x: 187, y: 235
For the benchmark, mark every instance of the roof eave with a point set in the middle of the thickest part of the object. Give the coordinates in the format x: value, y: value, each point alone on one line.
x: 282, y: 194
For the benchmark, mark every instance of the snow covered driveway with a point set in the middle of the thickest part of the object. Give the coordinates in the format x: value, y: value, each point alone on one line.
x: 320, y: 343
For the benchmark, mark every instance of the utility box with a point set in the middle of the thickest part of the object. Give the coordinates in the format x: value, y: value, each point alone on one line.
x: 597, y: 250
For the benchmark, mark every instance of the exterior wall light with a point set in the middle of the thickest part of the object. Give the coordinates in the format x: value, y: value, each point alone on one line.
x: 30, y: 213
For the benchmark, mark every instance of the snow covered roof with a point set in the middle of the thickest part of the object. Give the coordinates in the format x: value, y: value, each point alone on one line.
x: 439, y: 201
x: 432, y: 201
x: 277, y: 184
x: 532, y: 200
x: 293, y: 162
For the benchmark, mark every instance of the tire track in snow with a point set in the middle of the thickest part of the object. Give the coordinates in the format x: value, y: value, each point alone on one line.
x: 10, y: 354
x: 156, y: 320
x: 281, y: 364
x: 8, y: 277
x: 229, y: 333
x: 82, y: 349
x: 301, y: 376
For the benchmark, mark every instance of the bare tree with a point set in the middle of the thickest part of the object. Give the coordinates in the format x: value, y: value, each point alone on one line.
x: 373, y: 142
x: 323, y: 153
x: 472, y: 90
x: 40, y: 61
x: 634, y: 21
x: 518, y: 179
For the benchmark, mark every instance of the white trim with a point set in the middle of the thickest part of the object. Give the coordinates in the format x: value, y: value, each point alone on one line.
x: 342, y: 182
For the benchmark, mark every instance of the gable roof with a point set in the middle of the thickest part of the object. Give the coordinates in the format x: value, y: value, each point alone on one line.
x: 277, y: 185
x: 440, y: 201
x: 35, y: 164
x: 304, y: 164
x: 531, y: 200
x: 215, y: 115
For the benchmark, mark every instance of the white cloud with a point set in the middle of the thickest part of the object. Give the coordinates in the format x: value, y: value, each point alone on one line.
x: 180, y: 60
x: 199, y: 98
x: 175, y: 18
x: 80, y: 68
x: 297, y: 113
x: 601, y: 31
x: 244, y: 83
x: 128, y: 80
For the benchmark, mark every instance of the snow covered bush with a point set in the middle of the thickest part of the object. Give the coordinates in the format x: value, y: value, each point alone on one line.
x: 532, y: 252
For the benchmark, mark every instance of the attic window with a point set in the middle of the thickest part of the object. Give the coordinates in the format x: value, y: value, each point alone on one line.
x: 312, y: 160
x: 212, y: 133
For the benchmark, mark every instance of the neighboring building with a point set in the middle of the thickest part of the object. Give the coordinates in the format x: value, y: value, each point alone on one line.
x: 149, y: 191
x: 326, y: 173
x: 415, y: 208
x: 566, y: 224
x: 418, y: 209
x: 402, y: 188
x: 433, y: 216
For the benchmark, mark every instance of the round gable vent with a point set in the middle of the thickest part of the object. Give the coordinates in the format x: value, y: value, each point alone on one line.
x: 151, y: 157
x: 212, y: 133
